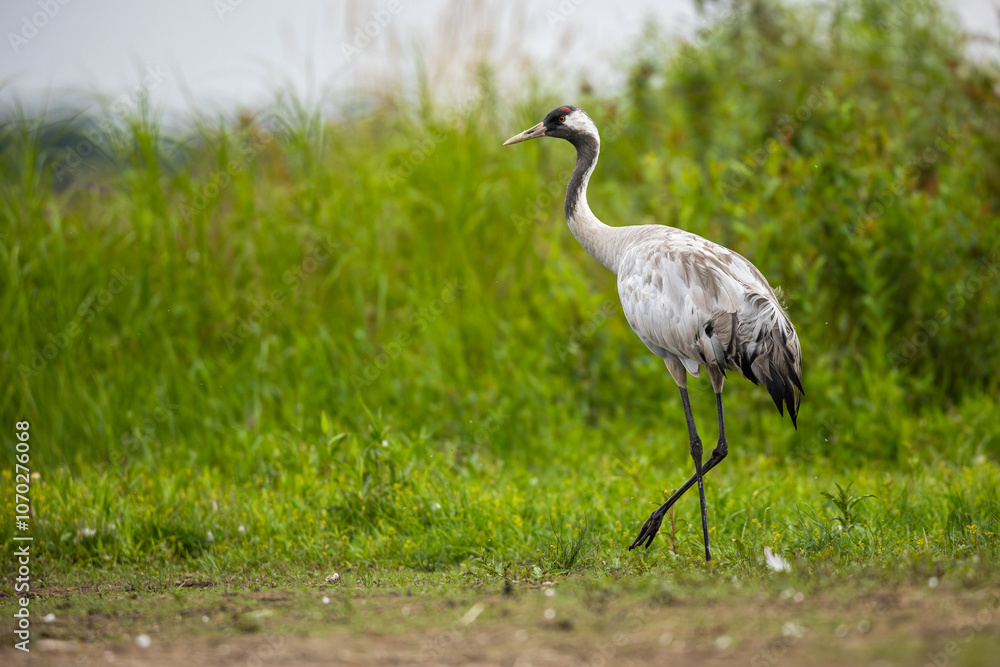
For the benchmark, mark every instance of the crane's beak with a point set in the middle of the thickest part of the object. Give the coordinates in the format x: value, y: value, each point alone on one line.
x: 530, y: 133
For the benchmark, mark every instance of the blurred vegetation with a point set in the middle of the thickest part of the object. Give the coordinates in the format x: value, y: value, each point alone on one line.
x: 373, y: 339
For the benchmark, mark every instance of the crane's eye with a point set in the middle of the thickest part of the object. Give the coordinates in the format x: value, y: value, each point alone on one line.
x: 562, y: 119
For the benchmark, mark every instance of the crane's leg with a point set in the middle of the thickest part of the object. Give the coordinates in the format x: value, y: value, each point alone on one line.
x: 652, y: 525
x: 696, y: 455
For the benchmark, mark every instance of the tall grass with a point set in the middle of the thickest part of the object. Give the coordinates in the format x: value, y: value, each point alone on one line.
x: 374, y: 339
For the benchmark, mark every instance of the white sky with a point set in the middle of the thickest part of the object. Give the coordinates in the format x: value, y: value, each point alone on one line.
x: 192, y: 54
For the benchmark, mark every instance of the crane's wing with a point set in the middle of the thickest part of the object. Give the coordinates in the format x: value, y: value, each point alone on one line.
x: 679, y: 293
x: 702, y: 304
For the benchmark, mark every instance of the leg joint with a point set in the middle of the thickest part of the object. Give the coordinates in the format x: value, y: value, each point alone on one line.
x: 721, y: 450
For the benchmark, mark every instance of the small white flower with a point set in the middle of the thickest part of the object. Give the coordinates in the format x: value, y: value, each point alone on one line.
x: 776, y: 562
x: 48, y: 618
x: 143, y: 641
x: 241, y: 528
x: 325, y: 600
x: 209, y: 536
x: 88, y: 532
x: 932, y: 582
x: 550, y: 613
x: 723, y: 642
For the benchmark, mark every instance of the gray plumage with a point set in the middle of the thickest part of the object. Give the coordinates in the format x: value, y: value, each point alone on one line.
x: 695, y: 303
x: 692, y: 302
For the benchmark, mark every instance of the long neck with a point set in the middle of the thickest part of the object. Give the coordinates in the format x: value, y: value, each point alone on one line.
x: 596, y: 237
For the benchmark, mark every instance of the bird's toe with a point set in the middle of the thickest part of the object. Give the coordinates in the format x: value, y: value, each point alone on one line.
x: 648, y: 532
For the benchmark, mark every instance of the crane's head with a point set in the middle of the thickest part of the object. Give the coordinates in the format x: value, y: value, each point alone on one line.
x: 569, y: 123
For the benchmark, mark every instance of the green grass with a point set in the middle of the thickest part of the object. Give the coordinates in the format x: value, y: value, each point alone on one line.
x: 372, y: 345
x: 364, y: 513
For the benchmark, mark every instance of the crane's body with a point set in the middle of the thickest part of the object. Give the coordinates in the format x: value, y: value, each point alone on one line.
x: 692, y: 302
x: 696, y: 303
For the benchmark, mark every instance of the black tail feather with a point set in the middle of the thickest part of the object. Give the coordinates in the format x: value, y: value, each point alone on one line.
x: 781, y: 381
x: 769, y: 354
x: 785, y: 393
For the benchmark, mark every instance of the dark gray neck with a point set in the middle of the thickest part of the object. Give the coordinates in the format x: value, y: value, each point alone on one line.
x: 596, y: 238
x: 587, y: 149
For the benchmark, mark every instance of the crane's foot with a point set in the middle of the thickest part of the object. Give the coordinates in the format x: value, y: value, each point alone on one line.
x: 649, y: 529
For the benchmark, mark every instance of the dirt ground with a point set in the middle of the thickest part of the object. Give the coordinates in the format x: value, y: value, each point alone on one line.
x: 550, y: 624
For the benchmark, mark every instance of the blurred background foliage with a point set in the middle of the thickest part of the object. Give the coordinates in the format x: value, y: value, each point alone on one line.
x: 392, y: 298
